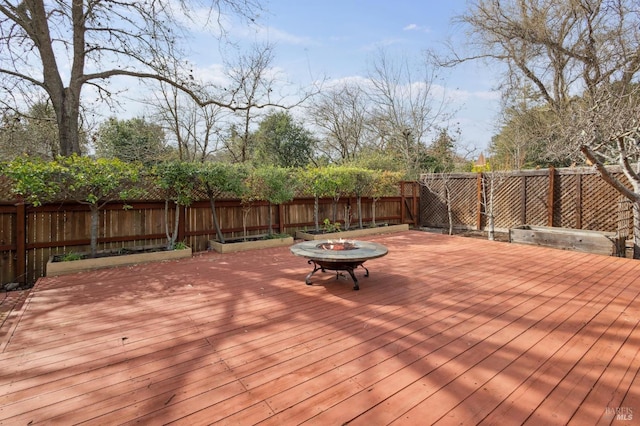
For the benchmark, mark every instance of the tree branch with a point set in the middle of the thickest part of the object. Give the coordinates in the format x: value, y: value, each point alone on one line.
x: 607, y: 176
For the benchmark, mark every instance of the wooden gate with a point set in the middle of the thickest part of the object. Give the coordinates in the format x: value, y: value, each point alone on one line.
x: 410, y: 203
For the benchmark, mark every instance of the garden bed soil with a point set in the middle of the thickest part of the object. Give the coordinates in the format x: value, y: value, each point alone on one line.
x: 251, y: 243
x: 470, y: 233
x: 497, y: 236
x: 351, y: 233
x: 109, y: 253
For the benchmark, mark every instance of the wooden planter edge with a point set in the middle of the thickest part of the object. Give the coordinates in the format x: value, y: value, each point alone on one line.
x: 73, y: 266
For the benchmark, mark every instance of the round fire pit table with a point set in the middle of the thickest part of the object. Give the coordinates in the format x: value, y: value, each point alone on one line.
x: 339, y: 255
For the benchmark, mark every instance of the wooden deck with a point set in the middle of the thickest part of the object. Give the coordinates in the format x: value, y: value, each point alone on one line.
x: 446, y: 330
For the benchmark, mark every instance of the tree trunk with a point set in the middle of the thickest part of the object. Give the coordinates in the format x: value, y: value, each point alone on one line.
x: 166, y: 223
x: 373, y: 212
x: 68, y: 124
x: 490, y: 219
x: 447, y: 194
x: 347, y: 216
x: 212, y: 202
x: 171, y: 237
x: 175, y: 227
x: 491, y: 231
x: 316, y: 212
x: 95, y: 222
x: 65, y: 101
x: 270, y: 221
x: 245, y: 214
x: 359, y: 202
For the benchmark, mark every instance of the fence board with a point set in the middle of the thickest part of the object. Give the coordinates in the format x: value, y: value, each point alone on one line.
x: 566, y: 202
x: 508, y: 208
x: 572, y: 198
x: 537, y: 195
x: 7, y: 243
x: 60, y: 228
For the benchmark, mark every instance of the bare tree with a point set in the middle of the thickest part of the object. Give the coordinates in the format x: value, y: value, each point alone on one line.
x: 406, y: 109
x: 31, y: 133
x: 439, y: 185
x: 257, y: 85
x: 341, y: 115
x: 527, y: 129
x: 195, y: 130
x: 608, y: 132
x: 89, y: 42
x: 254, y: 82
x: 582, y: 57
x: 491, y: 181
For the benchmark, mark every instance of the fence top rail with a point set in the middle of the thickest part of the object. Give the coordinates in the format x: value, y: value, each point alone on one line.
x: 585, y: 170
x: 460, y: 175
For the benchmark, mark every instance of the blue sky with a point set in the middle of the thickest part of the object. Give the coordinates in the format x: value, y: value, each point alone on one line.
x: 338, y: 38
x: 340, y: 35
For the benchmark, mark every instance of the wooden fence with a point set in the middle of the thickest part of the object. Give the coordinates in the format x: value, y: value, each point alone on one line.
x: 569, y: 198
x: 29, y: 235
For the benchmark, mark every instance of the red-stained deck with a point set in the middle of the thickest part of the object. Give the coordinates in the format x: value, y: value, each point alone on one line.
x: 446, y: 330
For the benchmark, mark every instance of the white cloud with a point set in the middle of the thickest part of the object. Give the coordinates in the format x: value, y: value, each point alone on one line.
x: 213, y: 74
x: 415, y: 27
x: 205, y: 20
x: 273, y: 34
x: 344, y: 81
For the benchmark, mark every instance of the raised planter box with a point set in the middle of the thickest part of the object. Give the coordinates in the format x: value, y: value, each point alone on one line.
x: 354, y: 233
x: 607, y: 243
x: 232, y: 247
x: 73, y: 266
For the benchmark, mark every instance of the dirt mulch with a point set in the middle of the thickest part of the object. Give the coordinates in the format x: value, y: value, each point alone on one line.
x: 498, y: 236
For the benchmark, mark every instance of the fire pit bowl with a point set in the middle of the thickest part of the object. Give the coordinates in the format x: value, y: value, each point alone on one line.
x: 338, y: 255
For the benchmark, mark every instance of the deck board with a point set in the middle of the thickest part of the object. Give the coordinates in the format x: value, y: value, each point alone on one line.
x: 445, y: 330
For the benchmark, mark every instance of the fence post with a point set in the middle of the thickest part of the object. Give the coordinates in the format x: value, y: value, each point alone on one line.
x: 479, y: 198
x: 21, y: 242
x: 579, y: 202
x: 416, y: 210
x: 551, y: 198
x: 402, y: 217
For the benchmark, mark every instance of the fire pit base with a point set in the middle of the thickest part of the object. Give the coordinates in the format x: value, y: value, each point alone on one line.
x: 338, y: 256
x: 319, y: 265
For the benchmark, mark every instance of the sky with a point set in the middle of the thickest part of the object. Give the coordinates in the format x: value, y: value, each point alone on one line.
x: 340, y: 37
x: 337, y: 39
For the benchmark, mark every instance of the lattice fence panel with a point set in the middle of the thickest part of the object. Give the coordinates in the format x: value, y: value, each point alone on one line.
x: 5, y: 189
x: 507, y: 208
x: 625, y: 217
x: 537, y: 206
x: 599, y: 204
x: 566, y: 201
x: 595, y: 207
x: 464, y: 201
x: 433, y: 204
x: 406, y: 187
